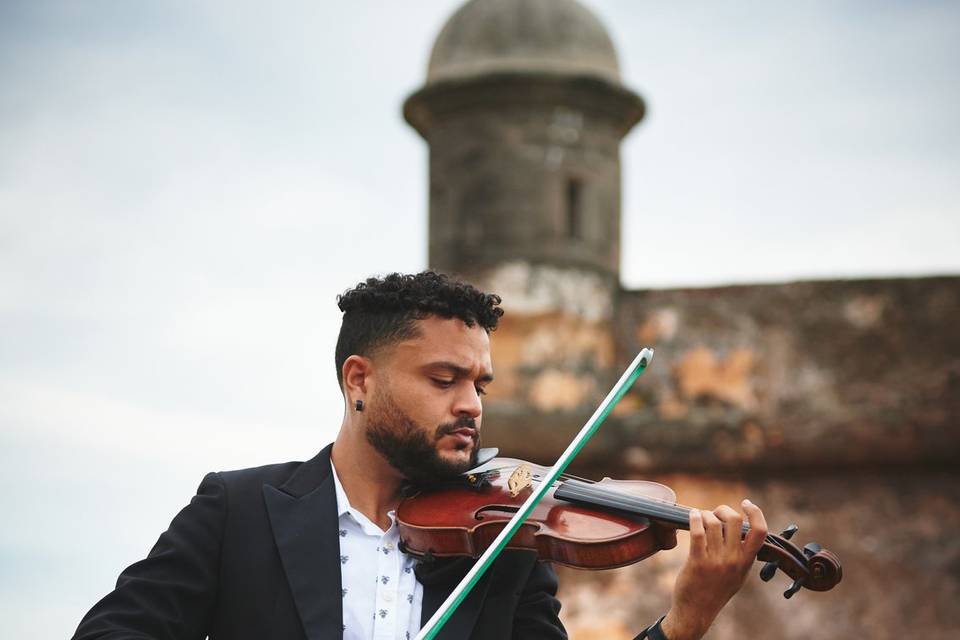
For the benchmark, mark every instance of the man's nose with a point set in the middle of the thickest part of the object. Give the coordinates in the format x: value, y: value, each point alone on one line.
x: 468, y: 403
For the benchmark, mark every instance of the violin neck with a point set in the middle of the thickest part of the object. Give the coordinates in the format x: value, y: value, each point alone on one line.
x: 588, y: 493
x: 578, y: 491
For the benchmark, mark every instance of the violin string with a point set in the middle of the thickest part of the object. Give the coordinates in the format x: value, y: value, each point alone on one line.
x: 680, y: 514
x: 563, y: 476
x: 567, y: 476
x: 644, y: 505
x: 684, y: 510
x: 619, y: 500
x: 632, y: 503
x: 675, y: 512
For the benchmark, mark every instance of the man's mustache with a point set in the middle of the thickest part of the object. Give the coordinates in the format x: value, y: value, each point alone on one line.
x: 463, y: 422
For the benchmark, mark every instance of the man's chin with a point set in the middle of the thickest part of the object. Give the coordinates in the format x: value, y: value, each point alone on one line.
x: 461, y: 457
x: 456, y: 456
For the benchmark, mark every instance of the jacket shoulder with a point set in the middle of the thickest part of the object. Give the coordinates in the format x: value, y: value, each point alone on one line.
x: 243, y: 488
x: 273, y: 474
x: 295, y: 478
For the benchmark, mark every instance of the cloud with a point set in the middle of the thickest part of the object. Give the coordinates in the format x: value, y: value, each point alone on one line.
x: 773, y: 131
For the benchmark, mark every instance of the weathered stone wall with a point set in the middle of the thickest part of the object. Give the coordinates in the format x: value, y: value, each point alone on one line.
x: 808, y: 374
x: 833, y: 405
x: 554, y: 348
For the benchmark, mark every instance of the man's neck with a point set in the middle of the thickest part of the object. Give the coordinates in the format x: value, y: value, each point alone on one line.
x: 371, y: 484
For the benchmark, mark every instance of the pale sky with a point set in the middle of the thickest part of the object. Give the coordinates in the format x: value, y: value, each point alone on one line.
x: 186, y: 186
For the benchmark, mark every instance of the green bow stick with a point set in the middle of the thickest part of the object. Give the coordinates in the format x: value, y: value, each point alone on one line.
x: 436, y: 622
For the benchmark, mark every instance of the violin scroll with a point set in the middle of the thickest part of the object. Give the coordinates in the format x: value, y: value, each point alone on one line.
x: 812, y: 567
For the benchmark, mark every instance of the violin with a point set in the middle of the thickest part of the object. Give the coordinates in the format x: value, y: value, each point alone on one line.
x: 579, y: 523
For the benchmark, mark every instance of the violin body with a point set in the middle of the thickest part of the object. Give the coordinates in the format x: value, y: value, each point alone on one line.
x: 464, y: 520
x: 580, y: 524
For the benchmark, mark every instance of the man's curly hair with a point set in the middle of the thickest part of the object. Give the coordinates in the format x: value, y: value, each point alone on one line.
x: 383, y: 311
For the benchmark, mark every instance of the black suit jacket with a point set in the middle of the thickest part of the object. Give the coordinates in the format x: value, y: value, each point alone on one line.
x: 255, y: 555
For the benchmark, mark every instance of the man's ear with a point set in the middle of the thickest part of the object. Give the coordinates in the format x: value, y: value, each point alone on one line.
x: 356, y: 373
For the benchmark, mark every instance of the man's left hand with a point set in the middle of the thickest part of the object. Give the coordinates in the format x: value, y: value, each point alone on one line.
x: 716, y: 567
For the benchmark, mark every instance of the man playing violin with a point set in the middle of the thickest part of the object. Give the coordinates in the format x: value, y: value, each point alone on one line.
x: 311, y: 550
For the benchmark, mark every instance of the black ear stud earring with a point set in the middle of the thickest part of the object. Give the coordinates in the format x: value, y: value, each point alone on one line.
x: 359, y: 405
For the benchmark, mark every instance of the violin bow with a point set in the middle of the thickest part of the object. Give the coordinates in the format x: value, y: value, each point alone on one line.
x: 443, y: 613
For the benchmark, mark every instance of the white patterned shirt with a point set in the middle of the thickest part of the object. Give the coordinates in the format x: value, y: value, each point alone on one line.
x: 382, y: 597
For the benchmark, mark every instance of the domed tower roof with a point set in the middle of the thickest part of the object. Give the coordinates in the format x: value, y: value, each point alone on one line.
x: 558, y: 37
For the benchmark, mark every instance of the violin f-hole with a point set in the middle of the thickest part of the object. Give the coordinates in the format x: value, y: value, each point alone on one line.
x: 507, y: 511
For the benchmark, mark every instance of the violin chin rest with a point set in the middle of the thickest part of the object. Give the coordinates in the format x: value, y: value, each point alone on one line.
x: 485, y: 455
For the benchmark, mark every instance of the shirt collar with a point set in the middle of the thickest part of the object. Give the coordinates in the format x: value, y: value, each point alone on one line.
x: 344, y: 508
x: 343, y: 503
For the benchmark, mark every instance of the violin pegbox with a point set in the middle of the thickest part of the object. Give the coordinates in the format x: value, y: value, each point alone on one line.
x: 812, y: 567
x: 770, y: 568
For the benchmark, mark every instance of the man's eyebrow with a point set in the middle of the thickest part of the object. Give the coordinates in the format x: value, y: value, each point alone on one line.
x: 458, y: 370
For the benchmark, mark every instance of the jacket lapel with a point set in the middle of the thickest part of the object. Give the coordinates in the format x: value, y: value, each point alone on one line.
x: 303, y: 516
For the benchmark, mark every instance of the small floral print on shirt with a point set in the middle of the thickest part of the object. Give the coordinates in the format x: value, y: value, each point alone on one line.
x: 343, y: 559
x: 383, y: 613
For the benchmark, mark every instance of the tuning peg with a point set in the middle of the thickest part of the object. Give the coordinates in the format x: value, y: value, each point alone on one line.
x: 768, y: 571
x: 789, y: 531
x: 811, y: 549
x: 793, y: 588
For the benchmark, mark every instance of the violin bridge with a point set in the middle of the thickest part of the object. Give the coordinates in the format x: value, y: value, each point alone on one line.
x: 520, y: 479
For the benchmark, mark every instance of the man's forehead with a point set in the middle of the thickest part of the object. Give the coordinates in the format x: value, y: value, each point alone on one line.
x: 447, y: 339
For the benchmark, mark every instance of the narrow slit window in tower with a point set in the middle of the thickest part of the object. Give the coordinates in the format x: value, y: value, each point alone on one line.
x: 574, y: 196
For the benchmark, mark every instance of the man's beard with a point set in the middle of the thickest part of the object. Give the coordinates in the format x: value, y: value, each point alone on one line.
x: 407, y: 447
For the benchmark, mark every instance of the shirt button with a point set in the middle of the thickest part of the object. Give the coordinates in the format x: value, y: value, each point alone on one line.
x: 389, y: 546
x: 387, y: 596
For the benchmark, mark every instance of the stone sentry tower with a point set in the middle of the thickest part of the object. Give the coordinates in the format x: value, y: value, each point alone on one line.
x: 524, y: 112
